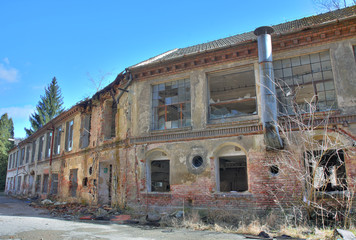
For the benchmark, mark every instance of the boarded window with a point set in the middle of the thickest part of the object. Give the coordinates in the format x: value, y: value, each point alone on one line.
x: 40, y: 148
x: 327, y: 170
x: 38, y: 184
x: 85, y: 131
x: 48, y: 144
x: 232, y: 93
x: 233, y: 174
x: 33, y: 151
x: 304, y: 82
x: 160, y: 176
x: 171, y: 105
x: 69, y: 135
x: 57, y: 141
x: 54, y: 184
x: 45, y: 183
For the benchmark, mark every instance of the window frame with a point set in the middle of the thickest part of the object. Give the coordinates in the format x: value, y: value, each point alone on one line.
x: 182, y: 99
x: 69, y: 135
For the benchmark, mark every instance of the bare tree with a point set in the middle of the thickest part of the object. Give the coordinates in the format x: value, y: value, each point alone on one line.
x: 330, y: 5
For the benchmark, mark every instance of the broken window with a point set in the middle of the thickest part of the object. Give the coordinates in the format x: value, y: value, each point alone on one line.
x: 38, y: 184
x: 45, y: 183
x: 160, y: 176
x: 28, y: 150
x: 232, y: 93
x: 69, y: 135
x: 233, y: 174
x: 85, y: 131
x: 33, y: 151
x: 40, y: 148
x: 48, y: 144
x: 57, y: 141
x: 171, y: 105
x: 303, y: 82
x: 54, y: 184
x: 22, y: 157
x: 327, y: 170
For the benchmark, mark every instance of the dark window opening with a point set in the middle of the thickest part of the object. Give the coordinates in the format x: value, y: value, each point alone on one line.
x: 54, y: 184
x: 113, y: 119
x: 233, y: 174
x: 33, y: 151
x: 160, y: 176
x: 274, y: 170
x: 85, y: 131
x: 232, y: 93
x: 90, y: 170
x: 28, y: 149
x: 40, y: 148
x: 85, y: 182
x: 45, y: 183
x: 171, y: 105
x: 22, y: 156
x: 197, y: 161
x: 327, y: 170
x: 38, y: 184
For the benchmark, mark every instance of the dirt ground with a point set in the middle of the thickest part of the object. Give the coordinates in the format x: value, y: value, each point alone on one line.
x: 20, y: 221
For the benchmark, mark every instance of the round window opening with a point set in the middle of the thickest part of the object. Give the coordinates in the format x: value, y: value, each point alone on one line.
x: 197, y: 161
x: 274, y: 170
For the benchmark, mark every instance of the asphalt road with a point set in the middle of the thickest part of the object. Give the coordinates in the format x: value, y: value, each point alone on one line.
x: 20, y: 221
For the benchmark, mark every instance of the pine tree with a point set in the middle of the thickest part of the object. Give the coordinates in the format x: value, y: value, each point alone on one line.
x: 6, y: 133
x: 47, y: 108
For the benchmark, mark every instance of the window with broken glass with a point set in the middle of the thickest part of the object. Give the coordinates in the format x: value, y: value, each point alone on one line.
x: 232, y: 93
x: 57, y: 141
x: 48, y: 144
x: 160, y: 176
x: 171, y: 105
x: 69, y: 135
x: 327, y: 170
x: 305, y: 83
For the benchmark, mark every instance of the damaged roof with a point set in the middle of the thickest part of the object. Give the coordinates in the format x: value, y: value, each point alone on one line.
x: 283, y: 28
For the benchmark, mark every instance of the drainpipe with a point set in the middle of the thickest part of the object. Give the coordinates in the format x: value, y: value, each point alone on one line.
x: 268, y: 88
x: 50, y: 163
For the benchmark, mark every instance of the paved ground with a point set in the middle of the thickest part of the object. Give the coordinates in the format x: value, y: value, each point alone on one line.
x: 20, y: 221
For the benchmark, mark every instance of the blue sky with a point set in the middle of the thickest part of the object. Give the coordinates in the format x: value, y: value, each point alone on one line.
x: 85, y: 44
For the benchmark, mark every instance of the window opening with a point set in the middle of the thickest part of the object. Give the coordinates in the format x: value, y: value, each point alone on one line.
x: 197, y: 161
x: 327, y: 170
x: 160, y: 176
x: 38, y: 184
x: 22, y: 157
x: 48, y: 144
x: 274, y: 170
x: 28, y: 150
x: 171, y: 105
x: 232, y: 93
x: 33, y: 151
x: 85, y: 131
x: 85, y: 182
x: 57, y: 141
x: 233, y: 174
x: 40, y: 147
x: 303, y: 80
x: 54, y: 184
x: 69, y: 135
x: 45, y: 183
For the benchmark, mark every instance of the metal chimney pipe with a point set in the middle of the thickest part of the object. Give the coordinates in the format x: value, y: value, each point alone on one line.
x: 268, y: 88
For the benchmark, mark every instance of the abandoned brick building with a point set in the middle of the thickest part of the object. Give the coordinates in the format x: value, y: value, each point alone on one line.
x: 196, y: 126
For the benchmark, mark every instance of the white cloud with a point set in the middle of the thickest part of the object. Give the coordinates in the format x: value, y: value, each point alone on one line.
x: 8, y: 74
x: 18, y: 112
x: 6, y: 60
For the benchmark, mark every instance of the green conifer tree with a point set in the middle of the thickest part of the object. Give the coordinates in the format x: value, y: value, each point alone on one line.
x: 6, y: 133
x: 47, y: 108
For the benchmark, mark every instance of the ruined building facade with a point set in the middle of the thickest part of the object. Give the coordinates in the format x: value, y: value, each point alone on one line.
x: 185, y: 128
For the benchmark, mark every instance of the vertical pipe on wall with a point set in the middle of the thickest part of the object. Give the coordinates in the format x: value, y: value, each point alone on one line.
x: 268, y: 88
